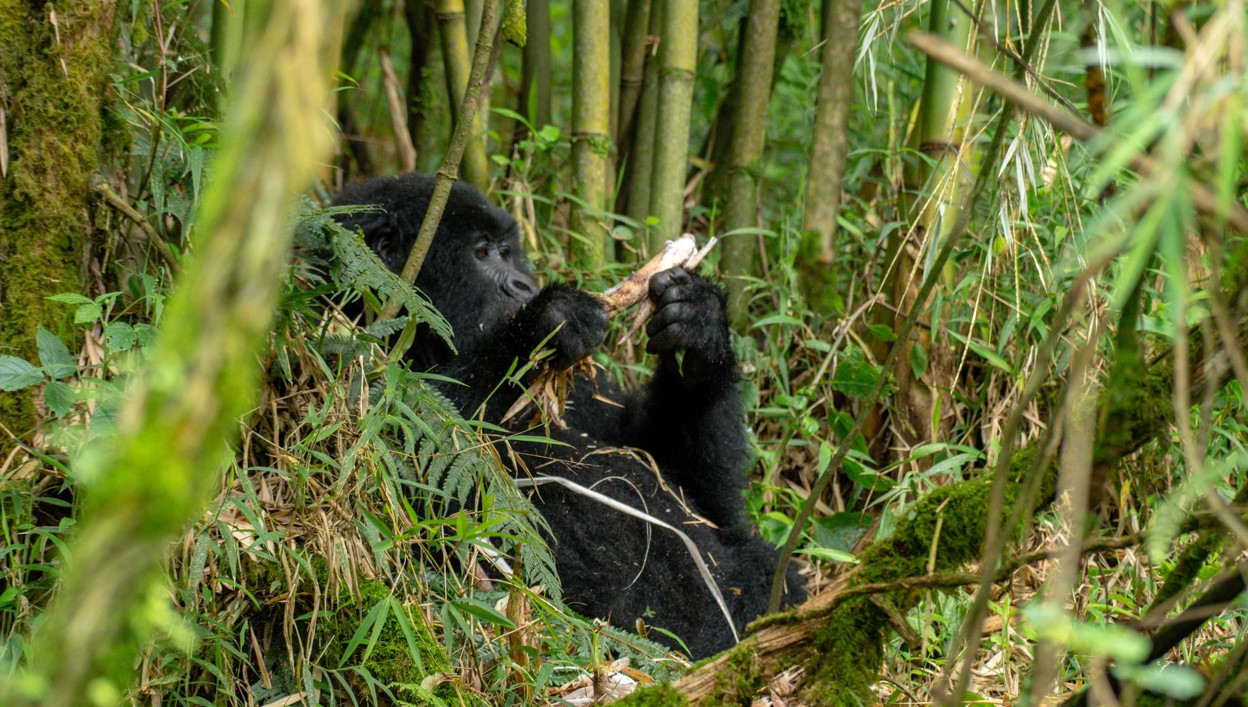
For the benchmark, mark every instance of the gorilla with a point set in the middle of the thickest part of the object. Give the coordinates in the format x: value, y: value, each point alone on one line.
x: 675, y: 450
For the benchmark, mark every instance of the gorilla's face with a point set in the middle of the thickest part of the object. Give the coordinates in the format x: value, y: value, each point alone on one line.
x: 482, y: 277
x: 475, y: 272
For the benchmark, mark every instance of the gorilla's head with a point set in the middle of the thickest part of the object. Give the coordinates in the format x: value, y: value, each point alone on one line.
x: 475, y: 273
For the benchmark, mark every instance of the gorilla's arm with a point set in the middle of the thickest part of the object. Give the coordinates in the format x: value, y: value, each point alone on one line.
x: 689, y: 417
x: 578, y: 323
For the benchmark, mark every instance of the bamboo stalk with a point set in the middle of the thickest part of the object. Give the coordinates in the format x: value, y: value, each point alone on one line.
x: 591, y: 104
x: 632, y: 70
x: 934, y: 183
x: 398, y: 116
x: 753, y: 85
x: 453, y: 29
x: 639, y: 168
x: 678, y: 55
x: 535, y: 75
x: 1202, y: 197
x: 418, y: 16
x: 830, y: 134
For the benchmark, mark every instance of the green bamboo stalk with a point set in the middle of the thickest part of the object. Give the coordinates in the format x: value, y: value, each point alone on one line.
x: 535, y: 77
x: 472, y: 20
x: 753, y: 85
x: 150, y: 479
x: 619, y: 10
x: 226, y: 36
x: 591, y: 107
x: 453, y: 29
x: 416, y: 15
x: 448, y: 171
x: 355, y: 146
x: 678, y: 59
x: 938, y: 128
x: 830, y: 133
x: 933, y: 186
x: 639, y: 168
x: 632, y: 71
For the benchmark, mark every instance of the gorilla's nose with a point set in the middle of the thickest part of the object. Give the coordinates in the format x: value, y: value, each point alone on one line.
x: 522, y: 286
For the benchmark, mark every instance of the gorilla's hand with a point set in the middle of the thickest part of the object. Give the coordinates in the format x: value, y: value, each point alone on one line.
x: 691, y: 316
x: 579, y: 318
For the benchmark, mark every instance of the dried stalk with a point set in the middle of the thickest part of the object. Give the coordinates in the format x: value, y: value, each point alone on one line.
x: 549, y: 391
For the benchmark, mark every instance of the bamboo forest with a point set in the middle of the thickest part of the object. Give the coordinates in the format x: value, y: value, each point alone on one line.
x: 641, y: 352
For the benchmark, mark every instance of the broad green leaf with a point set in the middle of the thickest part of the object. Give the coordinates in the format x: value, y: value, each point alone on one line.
x: 88, y: 313
x: 881, y: 332
x: 825, y: 456
x: 71, y: 298
x: 59, y: 397
x: 826, y: 553
x: 16, y: 374
x: 854, y: 376
x: 120, y: 336
x: 918, y: 360
x: 54, y: 355
x: 841, y: 530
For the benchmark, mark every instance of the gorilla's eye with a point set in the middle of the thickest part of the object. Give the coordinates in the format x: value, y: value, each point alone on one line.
x: 504, y: 252
x: 481, y: 253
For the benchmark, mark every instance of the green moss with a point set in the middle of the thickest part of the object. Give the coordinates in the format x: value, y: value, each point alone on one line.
x: 743, y: 679
x: 849, y: 647
x: 658, y: 696
x: 55, y: 76
x: 390, y: 661
x: 848, y: 652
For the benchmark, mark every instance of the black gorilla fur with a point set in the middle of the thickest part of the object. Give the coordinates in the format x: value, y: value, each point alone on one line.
x: 688, y: 419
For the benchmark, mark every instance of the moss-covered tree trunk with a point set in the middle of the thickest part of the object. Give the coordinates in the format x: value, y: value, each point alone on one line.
x: 53, y: 83
x: 151, y: 478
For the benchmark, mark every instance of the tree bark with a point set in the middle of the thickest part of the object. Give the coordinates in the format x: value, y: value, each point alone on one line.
x: 53, y: 83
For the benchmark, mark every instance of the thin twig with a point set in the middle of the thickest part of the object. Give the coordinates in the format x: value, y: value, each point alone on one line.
x: 448, y: 171
x: 398, y: 115
x: 100, y: 186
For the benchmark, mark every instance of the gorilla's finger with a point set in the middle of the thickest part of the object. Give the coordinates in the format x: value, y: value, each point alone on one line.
x: 668, y: 278
x: 674, y: 313
x: 669, y: 338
